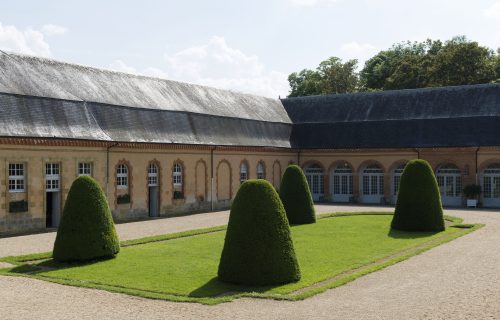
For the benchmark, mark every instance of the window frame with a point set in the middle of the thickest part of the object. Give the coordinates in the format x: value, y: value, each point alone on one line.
x: 122, y: 179
x: 16, y: 177
x: 81, y: 168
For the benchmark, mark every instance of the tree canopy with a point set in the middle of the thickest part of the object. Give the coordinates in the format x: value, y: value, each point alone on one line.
x: 406, y: 65
x: 331, y: 76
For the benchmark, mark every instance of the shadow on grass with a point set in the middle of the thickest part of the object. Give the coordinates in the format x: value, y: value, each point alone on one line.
x: 398, y: 234
x: 216, y: 288
x: 51, y: 264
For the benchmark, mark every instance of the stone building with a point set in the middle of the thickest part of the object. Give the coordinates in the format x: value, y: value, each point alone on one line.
x: 162, y: 148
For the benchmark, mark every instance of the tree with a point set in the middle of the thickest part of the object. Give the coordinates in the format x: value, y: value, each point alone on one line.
x: 418, y: 207
x: 305, y: 83
x: 296, y: 196
x: 430, y: 63
x: 330, y: 77
x: 87, y: 230
x: 258, y: 248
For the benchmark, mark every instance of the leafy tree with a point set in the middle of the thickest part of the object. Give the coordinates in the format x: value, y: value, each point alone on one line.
x: 430, y: 64
x: 305, y: 83
x: 331, y: 76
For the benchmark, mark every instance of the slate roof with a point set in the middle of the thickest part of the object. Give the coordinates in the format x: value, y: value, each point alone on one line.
x: 432, y: 117
x: 41, y: 97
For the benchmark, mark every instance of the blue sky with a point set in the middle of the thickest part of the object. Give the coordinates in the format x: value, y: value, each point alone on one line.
x: 248, y: 46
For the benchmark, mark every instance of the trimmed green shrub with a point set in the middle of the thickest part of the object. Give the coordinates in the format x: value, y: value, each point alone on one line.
x: 86, y: 230
x: 296, y: 196
x: 418, y: 207
x: 258, y: 249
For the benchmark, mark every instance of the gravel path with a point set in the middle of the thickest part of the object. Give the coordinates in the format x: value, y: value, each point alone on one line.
x: 457, y: 280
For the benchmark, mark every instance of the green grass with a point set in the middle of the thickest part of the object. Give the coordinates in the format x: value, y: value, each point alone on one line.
x: 183, y: 267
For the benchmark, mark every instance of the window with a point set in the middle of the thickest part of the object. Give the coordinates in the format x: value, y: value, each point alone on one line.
x: 261, y: 173
x: 52, y: 177
x: 243, y: 172
x: 177, y: 175
x: 397, y: 179
x: 16, y: 177
x: 84, y: 169
x: 153, y: 175
x: 122, y: 176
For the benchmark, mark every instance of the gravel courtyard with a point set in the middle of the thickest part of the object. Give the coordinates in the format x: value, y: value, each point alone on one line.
x: 457, y: 280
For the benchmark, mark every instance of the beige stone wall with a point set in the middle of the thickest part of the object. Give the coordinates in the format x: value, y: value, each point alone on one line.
x: 198, y: 165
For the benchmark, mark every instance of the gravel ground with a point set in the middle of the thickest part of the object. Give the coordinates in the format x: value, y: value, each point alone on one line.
x: 457, y: 280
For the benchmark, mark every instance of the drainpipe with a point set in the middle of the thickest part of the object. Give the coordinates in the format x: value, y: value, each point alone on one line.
x: 212, y: 178
x: 107, y: 167
x: 477, y: 176
x: 418, y: 152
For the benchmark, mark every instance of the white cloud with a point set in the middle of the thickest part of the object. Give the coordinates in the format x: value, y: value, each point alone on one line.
x: 311, y: 3
x: 219, y: 65
x: 28, y: 41
x: 355, y: 50
x: 119, y: 65
x: 52, y: 29
x: 216, y: 64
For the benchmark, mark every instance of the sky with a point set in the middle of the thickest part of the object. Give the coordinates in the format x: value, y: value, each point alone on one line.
x: 246, y: 46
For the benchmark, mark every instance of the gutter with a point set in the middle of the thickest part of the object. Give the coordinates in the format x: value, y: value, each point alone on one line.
x: 212, y: 178
x: 477, y: 176
x: 107, y: 166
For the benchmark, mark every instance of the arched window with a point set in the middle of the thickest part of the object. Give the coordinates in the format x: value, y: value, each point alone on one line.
x: 491, y: 185
x: 372, y: 184
x: 396, y: 178
x: 152, y: 175
x: 122, y: 176
x: 316, y: 179
x: 243, y: 172
x: 261, y: 171
x: 341, y: 181
x: 177, y: 175
x: 449, y: 180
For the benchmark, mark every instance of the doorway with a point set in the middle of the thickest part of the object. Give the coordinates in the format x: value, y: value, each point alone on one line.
x: 52, y: 195
x: 153, y: 191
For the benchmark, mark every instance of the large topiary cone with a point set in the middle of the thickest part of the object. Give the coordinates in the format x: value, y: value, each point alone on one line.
x: 418, y: 207
x: 258, y: 248
x: 86, y: 230
x: 296, y: 196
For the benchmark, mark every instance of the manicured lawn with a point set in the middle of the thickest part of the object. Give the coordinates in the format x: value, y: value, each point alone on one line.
x: 185, y: 268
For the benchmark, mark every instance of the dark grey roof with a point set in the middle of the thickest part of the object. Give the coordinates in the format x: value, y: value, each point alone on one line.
x: 431, y: 117
x: 42, y: 77
x: 25, y: 116
x: 44, y: 98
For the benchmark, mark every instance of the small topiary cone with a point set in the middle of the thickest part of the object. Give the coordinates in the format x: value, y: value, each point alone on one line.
x: 258, y: 249
x: 418, y: 207
x: 296, y: 196
x: 86, y: 230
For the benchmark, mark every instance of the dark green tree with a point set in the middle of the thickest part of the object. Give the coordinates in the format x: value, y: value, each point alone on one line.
x: 258, y: 249
x: 430, y: 63
x: 86, y: 231
x: 296, y: 196
x: 418, y: 207
x: 330, y: 77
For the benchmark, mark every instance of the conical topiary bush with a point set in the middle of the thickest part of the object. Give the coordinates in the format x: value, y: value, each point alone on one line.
x: 258, y: 248
x: 86, y: 230
x: 418, y: 207
x: 296, y: 196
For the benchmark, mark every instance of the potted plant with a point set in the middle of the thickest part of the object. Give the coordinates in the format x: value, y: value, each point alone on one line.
x: 472, y: 192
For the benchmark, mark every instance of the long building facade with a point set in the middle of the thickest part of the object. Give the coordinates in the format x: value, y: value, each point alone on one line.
x: 163, y: 148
